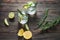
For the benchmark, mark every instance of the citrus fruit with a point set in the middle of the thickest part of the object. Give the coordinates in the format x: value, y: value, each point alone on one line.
x: 27, y: 34
x: 11, y: 15
x: 25, y: 6
x: 6, y: 22
x: 21, y: 31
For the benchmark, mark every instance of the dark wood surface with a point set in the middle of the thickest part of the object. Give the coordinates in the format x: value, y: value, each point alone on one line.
x: 10, y: 33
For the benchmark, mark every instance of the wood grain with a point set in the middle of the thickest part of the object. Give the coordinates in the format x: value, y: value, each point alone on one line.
x: 10, y: 33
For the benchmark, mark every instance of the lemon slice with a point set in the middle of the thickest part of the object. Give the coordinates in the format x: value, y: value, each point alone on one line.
x: 26, y: 6
x: 6, y: 22
x: 11, y: 15
x: 27, y: 34
x: 20, y: 33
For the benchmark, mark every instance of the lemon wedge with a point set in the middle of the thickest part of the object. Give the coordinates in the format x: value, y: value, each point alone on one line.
x: 27, y: 34
x: 26, y: 26
x: 21, y: 31
x: 11, y: 15
x: 6, y: 22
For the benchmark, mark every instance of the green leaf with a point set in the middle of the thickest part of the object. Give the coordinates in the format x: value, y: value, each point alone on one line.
x: 44, y: 18
x: 50, y: 24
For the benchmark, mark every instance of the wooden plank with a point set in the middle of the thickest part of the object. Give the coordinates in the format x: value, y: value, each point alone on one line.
x: 26, y: 0
x: 8, y: 36
x: 51, y: 6
x: 40, y: 7
x: 45, y: 36
x: 14, y: 8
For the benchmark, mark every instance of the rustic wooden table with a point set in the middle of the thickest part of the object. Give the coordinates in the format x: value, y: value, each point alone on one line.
x: 10, y: 33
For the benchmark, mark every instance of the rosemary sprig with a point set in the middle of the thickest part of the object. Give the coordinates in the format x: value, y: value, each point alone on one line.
x: 43, y: 25
x: 50, y: 24
x: 44, y: 18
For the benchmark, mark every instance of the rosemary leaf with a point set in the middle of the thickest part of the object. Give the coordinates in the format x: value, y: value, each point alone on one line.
x: 44, y: 18
x: 50, y: 24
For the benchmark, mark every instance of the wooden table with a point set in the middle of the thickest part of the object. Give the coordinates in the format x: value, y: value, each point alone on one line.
x: 10, y: 33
